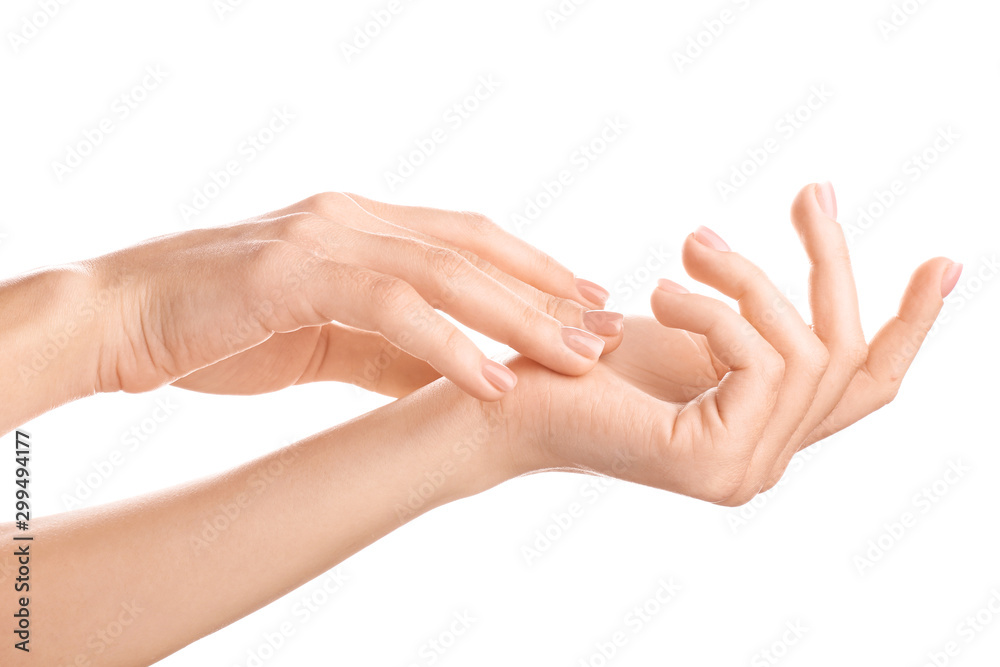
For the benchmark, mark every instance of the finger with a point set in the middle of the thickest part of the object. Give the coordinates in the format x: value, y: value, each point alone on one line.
x: 763, y: 305
x: 364, y: 240
x: 499, y: 247
x: 316, y: 291
x: 894, y: 347
x: 367, y: 360
x: 721, y: 428
x: 606, y: 324
x: 449, y: 282
x: 832, y: 296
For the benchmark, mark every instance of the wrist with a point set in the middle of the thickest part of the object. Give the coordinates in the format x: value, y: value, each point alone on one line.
x: 526, y: 415
x: 50, y: 340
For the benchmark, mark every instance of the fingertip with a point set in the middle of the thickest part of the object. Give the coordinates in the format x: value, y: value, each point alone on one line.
x: 826, y: 199
x: 608, y: 325
x: 710, y: 239
x: 604, y: 322
x: 950, y: 278
x: 592, y: 293
x: 663, y: 296
x: 500, y: 378
x: 670, y: 287
x: 584, y: 343
x: 924, y: 295
x: 700, y: 260
x: 816, y: 201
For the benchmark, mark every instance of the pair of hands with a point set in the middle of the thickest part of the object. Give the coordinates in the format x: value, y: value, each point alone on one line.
x: 705, y: 401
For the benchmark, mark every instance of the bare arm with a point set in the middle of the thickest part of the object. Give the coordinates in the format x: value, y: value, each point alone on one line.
x: 708, y: 402
x: 178, y: 564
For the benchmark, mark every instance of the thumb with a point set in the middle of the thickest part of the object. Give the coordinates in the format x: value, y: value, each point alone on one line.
x: 894, y: 347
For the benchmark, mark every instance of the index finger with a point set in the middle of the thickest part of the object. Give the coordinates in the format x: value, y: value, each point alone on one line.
x: 479, y: 234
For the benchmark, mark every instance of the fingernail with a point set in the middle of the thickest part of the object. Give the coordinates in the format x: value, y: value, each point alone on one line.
x: 499, y: 375
x: 671, y: 286
x: 950, y: 279
x: 592, y: 291
x: 707, y: 237
x: 604, y: 322
x: 583, y: 342
x: 827, y: 199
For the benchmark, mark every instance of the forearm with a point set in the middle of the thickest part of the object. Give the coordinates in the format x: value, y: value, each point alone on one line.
x: 197, y: 557
x: 48, y: 324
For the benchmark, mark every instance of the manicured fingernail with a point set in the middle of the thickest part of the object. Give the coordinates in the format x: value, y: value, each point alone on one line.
x: 592, y: 291
x: 827, y: 199
x: 604, y: 322
x: 671, y: 286
x: 707, y: 237
x: 950, y: 279
x: 583, y: 342
x: 499, y: 375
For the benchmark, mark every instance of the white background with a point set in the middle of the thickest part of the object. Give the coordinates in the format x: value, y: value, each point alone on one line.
x: 791, y: 557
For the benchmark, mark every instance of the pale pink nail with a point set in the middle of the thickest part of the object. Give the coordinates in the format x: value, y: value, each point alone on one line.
x: 499, y: 375
x: 604, y: 322
x: 950, y: 279
x: 671, y: 286
x: 592, y: 291
x: 583, y: 342
x: 827, y: 199
x: 707, y: 237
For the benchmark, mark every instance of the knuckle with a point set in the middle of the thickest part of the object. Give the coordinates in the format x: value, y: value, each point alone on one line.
x: 772, y: 368
x: 813, y: 358
x: 888, y: 392
x: 752, y: 278
x: 446, y: 263
x: 566, y: 311
x: 323, y: 202
x: 544, y: 264
x: 833, y: 255
x: 477, y: 223
x: 296, y: 226
x: 526, y: 315
x: 453, y: 341
x: 389, y: 293
x: 472, y: 258
x: 856, y: 354
x: 820, y: 356
x: 268, y: 256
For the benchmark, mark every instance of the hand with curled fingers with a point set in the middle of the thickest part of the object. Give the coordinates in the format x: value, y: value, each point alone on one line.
x: 338, y: 287
x: 713, y: 403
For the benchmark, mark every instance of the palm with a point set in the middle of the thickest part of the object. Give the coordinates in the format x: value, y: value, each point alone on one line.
x: 280, y: 361
x: 332, y: 352
x: 668, y: 364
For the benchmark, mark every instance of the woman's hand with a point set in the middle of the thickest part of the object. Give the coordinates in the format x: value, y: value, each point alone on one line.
x: 338, y: 287
x: 712, y: 403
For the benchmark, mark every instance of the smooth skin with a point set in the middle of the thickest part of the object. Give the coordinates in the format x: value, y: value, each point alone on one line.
x: 704, y: 401
x: 336, y: 287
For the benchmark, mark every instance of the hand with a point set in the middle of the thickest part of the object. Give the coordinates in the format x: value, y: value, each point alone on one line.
x: 712, y: 403
x: 338, y: 287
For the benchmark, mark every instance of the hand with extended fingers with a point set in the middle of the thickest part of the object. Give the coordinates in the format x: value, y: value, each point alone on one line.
x: 713, y: 403
x: 703, y: 400
x: 339, y: 287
